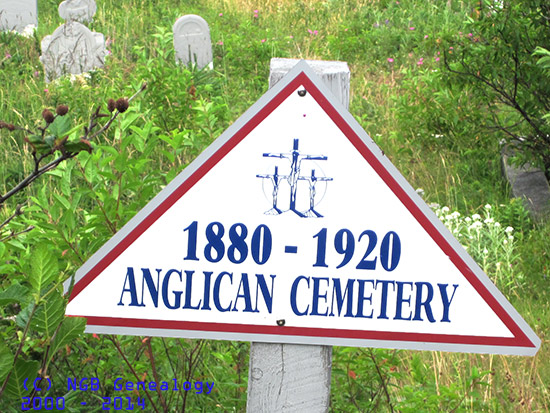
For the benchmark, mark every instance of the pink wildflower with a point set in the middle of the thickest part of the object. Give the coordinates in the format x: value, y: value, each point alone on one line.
x: 420, y: 61
x: 8, y: 56
x: 426, y: 36
x: 221, y: 14
x: 263, y: 40
x: 437, y: 59
x: 220, y: 43
x: 470, y: 34
x: 390, y: 59
x: 411, y: 28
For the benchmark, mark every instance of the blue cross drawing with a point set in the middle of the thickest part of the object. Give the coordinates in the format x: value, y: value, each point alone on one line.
x: 295, y: 158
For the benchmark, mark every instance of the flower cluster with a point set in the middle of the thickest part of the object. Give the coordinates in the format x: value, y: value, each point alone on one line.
x: 488, y: 243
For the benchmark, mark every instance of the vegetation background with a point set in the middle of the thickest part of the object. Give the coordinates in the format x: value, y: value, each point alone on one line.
x: 444, y: 131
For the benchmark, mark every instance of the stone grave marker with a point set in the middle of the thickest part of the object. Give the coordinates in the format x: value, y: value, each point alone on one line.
x: 528, y: 183
x: 18, y: 14
x: 78, y: 10
x: 72, y: 49
x: 192, y: 41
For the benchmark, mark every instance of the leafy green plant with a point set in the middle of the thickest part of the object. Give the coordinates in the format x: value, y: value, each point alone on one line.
x: 34, y: 306
x: 497, y: 57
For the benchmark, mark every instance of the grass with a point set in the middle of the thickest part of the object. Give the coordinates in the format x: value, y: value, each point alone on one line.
x: 429, y: 133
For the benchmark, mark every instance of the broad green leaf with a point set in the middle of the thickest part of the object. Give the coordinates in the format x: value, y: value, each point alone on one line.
x: 6, y: 361
x: 60, y: 127
x: 62, y: 200
x: 90, y: 171
x: 128, y: 120
x: 65, y: 183
x: 24, y: 315
x: 44, y: 268
x: 23, y: 370
x: 50, y: 140
x: 15, y: 293
x: 48, y: 315
x: 71, y: 328
x: 78, y: 146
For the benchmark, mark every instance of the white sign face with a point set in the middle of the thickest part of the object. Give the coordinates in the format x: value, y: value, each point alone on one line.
x: 293, y: 227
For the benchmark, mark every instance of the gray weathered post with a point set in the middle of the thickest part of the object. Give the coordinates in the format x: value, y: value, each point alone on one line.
x: 294, y: 377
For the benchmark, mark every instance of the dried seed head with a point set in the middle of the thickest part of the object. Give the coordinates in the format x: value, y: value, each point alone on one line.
x: 111, y: 105
x: 48, y: 116
x: 122, y: 105
x: 62, y: 110
x: 3, y: 124
x: 10, y: 127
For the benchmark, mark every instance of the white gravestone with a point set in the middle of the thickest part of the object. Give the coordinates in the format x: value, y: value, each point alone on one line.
x: 72, y: 49
x: 78, y: 10
x: 18, y: 14
x: 192, y: 41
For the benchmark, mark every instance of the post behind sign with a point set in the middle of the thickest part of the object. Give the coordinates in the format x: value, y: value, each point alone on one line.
x: 294, y: 377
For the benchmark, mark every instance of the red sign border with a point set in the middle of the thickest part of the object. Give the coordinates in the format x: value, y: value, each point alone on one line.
x: 520, y: 339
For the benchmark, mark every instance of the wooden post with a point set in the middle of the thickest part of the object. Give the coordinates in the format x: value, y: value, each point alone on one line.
x: 293, y: 377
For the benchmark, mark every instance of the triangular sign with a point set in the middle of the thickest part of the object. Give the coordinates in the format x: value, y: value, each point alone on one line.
x: 294, y: 227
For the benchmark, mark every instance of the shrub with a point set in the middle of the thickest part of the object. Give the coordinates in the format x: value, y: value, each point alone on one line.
x: 495, y: 54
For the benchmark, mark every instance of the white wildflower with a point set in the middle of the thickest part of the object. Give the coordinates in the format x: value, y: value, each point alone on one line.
x: 497, y: 224
x: 28, y: 31
x: 487, y: 206
x: 485, y: 251
x: 476, y: 217
x: 489, y: 220
x: 445, y: 209
x: 508, y: 230
x: 468, y: 219
x: 476, y: 225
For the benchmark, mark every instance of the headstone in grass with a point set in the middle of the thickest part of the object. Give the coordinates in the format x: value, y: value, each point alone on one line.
x: 528, y: 183
x: 192, y: 41
x: 72, y: 49
x: 18, y: 15
x: 77, y: 10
